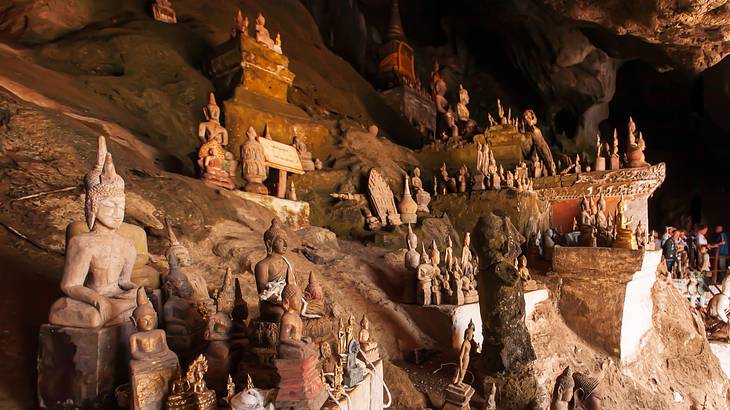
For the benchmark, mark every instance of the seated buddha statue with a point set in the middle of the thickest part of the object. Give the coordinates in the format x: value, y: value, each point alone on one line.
x: 151, y: 358
x: 625, y: 237
x: 183, y: 324
x: 291, y: 345
x: 262, y: 33
x: 314, y: 296
x: 97, y: 273
x: 186, y: 267
x: 212, y: 130
x: 271, y: 273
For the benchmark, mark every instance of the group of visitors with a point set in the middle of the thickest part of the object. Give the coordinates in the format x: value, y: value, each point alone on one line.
x: 691, y: 255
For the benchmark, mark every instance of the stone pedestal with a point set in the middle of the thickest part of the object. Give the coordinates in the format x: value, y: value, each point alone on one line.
x: 458, y: 397
x: 418, y: 108
x: 613, y: 288
x: 446, y: 323
x: 259, y: 364
x: 150, y: 382
x: 80, y: 368
x: 600, y: 164
x: 301, y: 386
x: 293, y: 213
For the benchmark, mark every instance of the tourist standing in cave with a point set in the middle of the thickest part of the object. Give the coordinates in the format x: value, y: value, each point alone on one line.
x: 721, y: 254
x: 669, y: 249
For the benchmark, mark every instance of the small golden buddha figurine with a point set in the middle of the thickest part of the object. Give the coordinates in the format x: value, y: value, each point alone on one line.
x: 153, y: 364
x: 624, y: 234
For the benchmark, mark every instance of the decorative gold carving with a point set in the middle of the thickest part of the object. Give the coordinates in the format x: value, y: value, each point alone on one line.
x: 622, y: 182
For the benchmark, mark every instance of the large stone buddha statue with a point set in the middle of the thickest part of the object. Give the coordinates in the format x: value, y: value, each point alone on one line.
x: 97, y: 273
x: 271, y: 273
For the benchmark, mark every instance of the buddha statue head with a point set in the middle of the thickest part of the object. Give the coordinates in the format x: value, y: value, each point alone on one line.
x: 175, y: 248
x: 291, y: 296
x: 563, y: 390
x: 144, y: 315
x: 275, y: 238
x: 251, y: 134
x: 416, y: 172
x: 212, y: 111
x: 104, y: 192
x: 440, y: 87
x: 586, y: 394
x: 177, y: 283
x: 260, y: 20
x: 530, y: 118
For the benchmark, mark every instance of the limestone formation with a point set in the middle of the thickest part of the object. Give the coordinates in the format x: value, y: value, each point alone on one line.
x: 507, y: 344
x: 97, y: 274
x: 381, y: 197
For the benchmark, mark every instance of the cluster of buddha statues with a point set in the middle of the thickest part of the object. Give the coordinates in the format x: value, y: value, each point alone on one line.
x: 218, y: 166
x: 452, y: 125
x: 184, y: 326
x: 575, y: 390
x: 596, y: 226
x: 162, y: 11
x: 607, y: 157
x: 261, y: 33
x: 451, y: 281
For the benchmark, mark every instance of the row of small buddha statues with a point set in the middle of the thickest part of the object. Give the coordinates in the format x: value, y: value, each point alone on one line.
x: 218, y: 166
x: 453, y: 282
x: 594, y: 226
x: 99, y: 294
x: 162, y: 11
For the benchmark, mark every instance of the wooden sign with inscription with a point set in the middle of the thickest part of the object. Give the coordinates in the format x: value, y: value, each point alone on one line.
x: 281, y: 156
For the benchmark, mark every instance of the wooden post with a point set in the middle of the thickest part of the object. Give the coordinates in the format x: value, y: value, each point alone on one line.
x: 281, y: 186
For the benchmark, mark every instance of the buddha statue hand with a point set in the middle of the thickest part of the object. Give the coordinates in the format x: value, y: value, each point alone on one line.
x: 128, y: 285
x: 102, y: 304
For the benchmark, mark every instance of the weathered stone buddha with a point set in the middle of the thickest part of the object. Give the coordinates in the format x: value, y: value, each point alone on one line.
x: 186, y: 267
x: 624, y: 234
x: 211, y: 130
x: 304, y: 155
x: 467, y: 126
x: 183, y: 324
x: 97, y: 274
x: 314, y: 295
x: 262, y: 33
x: 291, y: 345
x: 538, y: 141
x: 449, y: 254
x: 254, y: 169
x: 507, y: 344
x: 563, y: 390
x: 271, y: 273
x: 412, y: 257
x: 218, y: 351
x: 153, y: 365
